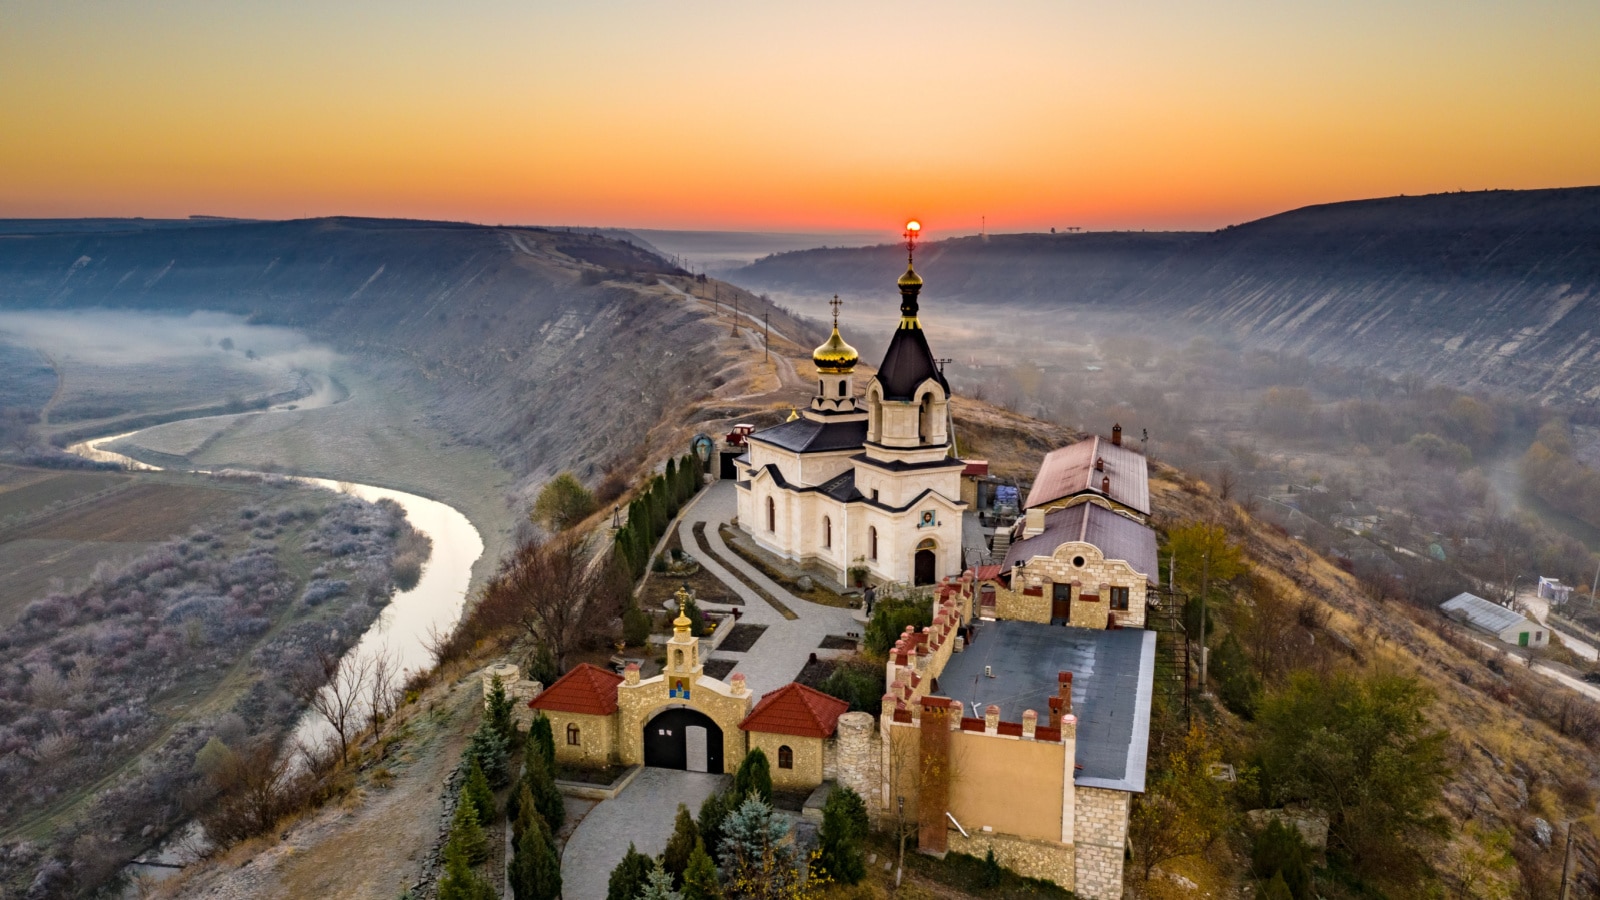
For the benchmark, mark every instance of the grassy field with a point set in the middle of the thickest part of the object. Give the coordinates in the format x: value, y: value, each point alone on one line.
x: 55, y: 526
x: 375, y: 436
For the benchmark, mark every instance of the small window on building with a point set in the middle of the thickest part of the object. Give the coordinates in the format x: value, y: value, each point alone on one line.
x: 572, y: 736
x: 827, y: 532
x: 872, y: 543
x: 841, y: 389
x: 1119, y: 597
x: 785, y: 757
x: 772, y: 515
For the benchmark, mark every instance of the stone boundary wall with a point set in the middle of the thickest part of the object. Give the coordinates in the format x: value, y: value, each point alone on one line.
x: 1100, y: 830
x: 1033, y: 859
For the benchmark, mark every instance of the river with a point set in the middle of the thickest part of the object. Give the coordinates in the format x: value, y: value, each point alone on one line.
x: 403, y: 629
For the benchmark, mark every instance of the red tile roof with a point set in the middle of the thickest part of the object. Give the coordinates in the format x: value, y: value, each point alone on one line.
x: 585, y: 689
x: 987, y: 573
x: 798, y: 710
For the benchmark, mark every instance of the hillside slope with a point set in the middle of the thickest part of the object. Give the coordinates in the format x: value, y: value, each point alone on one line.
x: 1499, y: 289
x: 553, y: 349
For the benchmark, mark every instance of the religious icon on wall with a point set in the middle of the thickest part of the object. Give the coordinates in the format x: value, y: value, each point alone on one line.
x: 927, y: 520
x: 678, y: 688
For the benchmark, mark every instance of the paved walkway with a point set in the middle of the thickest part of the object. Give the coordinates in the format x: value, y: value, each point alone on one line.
x: 642, y: 814
x: 787, y: 645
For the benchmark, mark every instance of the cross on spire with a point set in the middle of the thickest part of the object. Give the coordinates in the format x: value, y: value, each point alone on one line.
x: 835, y: 303
x: 913, y: 231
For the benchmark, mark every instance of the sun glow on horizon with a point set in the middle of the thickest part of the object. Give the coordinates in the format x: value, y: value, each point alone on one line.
x: 724, y: 116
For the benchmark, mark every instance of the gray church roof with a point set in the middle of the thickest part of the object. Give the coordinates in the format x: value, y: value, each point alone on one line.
x: 805, y: 435
x: 907, y: 364
x: 1117, y: 536
x: 1014, y: 665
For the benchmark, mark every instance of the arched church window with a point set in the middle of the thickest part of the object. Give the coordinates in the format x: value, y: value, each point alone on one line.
x: 841, y: 389
x: 572, y: 736
x: 827, y: 532
x: 925, y: 419
x: 927, y: 544
x: 677, y: 658
x: 785, y: 757
x: 872, y: 543
x: 772, y: 515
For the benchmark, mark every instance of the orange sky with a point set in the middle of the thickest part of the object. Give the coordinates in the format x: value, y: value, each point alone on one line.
x: 792, y: 116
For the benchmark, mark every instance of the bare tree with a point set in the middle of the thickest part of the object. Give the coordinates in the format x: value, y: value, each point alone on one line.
x: 335, y: 687
x: 255, y: 787
x: 559, y: 590
x: 383, y: 691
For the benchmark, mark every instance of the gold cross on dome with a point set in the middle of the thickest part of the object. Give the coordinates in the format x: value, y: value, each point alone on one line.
x: 836, y: 303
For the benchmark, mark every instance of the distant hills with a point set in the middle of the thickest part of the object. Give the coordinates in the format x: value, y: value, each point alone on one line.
x: 545, y: 345
x: 1499, y: 289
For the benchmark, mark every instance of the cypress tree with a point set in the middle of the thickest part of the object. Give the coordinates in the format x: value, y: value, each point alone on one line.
x: 542, y: 739
x: 630, y: 875
x: 713, y: 810
x: 459, y: 882
x: 685, y: 836
x: 535, y: 871
x: 539, y: 778
x: 700, y: 877
x: 753, y: 778
x: 673, y: 486
x: 839, y: 840
x: 475, y: 792
x: 466, y: 836
x: 497, y: 710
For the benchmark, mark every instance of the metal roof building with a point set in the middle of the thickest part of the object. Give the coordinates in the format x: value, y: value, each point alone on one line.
x: 1506, y: 624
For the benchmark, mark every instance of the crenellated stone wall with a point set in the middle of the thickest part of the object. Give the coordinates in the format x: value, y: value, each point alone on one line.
x: 1101, y: 835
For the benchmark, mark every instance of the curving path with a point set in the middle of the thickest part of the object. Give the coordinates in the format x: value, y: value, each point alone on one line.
x: 787, y: 645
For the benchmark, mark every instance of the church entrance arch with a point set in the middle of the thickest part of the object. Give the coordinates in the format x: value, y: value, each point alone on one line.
x: 682, y: 738
x: 925, y: 564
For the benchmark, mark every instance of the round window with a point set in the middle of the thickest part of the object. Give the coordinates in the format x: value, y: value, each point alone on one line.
x: 1077, y: 561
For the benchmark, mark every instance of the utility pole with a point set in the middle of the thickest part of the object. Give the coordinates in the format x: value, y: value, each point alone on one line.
x: 1205, y: 586
x: 1566, y: 863
x: 766, y: 337
x: 734, y: 331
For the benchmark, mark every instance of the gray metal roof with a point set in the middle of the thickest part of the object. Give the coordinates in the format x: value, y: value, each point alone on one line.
x: 805, y: 435
x: 1117, y: 536
x: 1113, y: 673
x: 1484, y: 614
x: 1070, y: 471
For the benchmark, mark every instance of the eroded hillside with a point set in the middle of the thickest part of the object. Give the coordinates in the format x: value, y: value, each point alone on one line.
x: 1497, y: 289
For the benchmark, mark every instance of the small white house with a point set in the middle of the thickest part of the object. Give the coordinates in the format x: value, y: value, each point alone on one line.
x: 1506, y: 624
x: 1553, y: 590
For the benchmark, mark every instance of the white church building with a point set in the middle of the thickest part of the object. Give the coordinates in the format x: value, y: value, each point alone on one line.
x: 869, y: 481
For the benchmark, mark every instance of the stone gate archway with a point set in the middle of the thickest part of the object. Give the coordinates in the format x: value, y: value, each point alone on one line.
x: 683, y: 738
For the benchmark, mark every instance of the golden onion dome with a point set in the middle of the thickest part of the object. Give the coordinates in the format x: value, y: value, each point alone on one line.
x: 835, y: 357
x: 910, y: 278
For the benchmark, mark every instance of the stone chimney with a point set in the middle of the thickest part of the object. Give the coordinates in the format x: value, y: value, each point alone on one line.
x: 1030, y: 724
x: 630, y: 674
x: 737, y: 683
x: 991, y: 719
x: 1034, y: 526
x: 1116, y: 435
x: 1099, y: 463
x: 1105, y: 485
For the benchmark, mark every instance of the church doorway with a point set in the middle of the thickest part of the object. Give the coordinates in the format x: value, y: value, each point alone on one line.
x: 1060, y: 604
x: 924, y: 564
x: 684, y: 739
